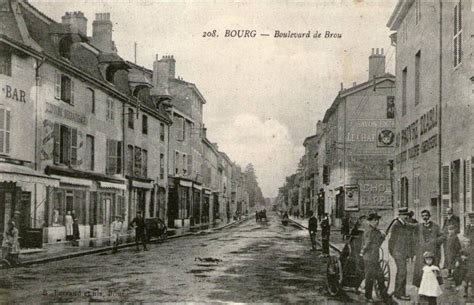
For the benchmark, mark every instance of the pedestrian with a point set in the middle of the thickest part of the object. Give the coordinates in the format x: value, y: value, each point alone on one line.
x: 10, y: 243
x: 312, y: 228
x: 399, y: 247
x: 430, y: 288
x: 345, y: 226
x: 140, y: 230
x: 461, y: 272
x: 69, y: 221
x: 411, y: 236
x: 75, y: 233
x: 256, y: 216
x: 373, y: 239
x: 116, y: 229
x: 325, y: 234
x: 428, y: 238
x: 451, y: 219
x: 453, y: 246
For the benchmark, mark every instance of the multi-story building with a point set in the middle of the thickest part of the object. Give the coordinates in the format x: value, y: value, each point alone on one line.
x: 210, y: 181
x: 64, y: 125
x: 185, y: 146
x: 360, y: 143
x: 434, y: 64
x: 225, y: 202
x: 310, y: 179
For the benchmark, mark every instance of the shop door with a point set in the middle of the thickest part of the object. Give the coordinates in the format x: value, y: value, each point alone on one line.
x: 24, y: 221
x: 93, y: 207
x: 172, y: 207
x: 7, y: 195
x: 106, y: 204
x: 141, y: 197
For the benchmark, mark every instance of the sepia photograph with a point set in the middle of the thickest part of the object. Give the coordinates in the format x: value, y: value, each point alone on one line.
x: 237, y: 152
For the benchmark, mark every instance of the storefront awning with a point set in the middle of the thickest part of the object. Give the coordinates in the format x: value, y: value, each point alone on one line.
x: 109, y: 185
x: 197, y: 187
x: 143, y: 185
x: 185, y: 183
x: 73, y: 181
x: 16, y: 176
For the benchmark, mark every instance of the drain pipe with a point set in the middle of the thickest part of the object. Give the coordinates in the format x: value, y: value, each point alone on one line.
x: 440, y: 110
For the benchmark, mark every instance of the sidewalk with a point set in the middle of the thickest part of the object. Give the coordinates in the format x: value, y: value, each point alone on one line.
x: 60, y: 251
x: 449, y: 296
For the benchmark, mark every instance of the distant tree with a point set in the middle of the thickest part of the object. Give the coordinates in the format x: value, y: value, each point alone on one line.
x: 255, y: 193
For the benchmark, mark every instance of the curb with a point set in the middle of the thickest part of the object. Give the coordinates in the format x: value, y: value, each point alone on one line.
x: 110, y: 248
x: 332, y: 246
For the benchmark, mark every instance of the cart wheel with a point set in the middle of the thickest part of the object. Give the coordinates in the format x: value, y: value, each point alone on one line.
x: 386, y: 275
x: 334, y: 275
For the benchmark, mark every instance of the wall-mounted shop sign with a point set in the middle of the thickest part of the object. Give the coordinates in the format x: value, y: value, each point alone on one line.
x: 351, y: 200
x: 417, y: 149
x: 13, y: 93
x: 417, y: 128
x: 375, y: 194
x: 67, y: 114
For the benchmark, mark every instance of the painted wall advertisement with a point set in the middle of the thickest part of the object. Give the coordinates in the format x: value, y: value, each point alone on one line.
x: 375, y: 194
x: 351, y: 200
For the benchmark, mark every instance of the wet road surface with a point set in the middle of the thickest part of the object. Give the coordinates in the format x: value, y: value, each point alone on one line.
x: 251, y: 262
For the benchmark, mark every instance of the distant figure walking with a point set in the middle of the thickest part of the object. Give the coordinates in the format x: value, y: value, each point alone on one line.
x: 312, y: 228
x: 75, y: 232
x: 116, y: 229
x: 325, y: 234
x: 140, y: 230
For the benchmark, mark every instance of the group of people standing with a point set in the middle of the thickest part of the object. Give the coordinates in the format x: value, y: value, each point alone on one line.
x: 325, y: 232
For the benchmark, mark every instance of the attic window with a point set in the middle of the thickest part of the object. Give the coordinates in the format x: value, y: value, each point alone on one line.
x: 65, y: 45
x: 109, y: 74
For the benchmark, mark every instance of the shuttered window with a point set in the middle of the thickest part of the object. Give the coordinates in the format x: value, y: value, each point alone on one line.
x: 445, y: 178
x: 65, y: 145
x: 457, y: 35
x: 5, y: 120
x: 64, y: 88
x: 5, y: 63
x: 144, y: 163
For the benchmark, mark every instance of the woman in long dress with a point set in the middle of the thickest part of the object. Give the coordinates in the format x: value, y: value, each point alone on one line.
x: 10, y: 244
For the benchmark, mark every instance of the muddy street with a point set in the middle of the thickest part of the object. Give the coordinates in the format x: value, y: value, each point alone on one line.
x: 251, y: 262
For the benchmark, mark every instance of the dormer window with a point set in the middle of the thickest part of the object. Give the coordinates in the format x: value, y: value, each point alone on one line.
x: 65, y: 45
x: 109, y: 74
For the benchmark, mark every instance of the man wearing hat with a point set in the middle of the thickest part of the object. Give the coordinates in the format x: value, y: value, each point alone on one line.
x: 140, y: 230
x: 116, y: 229
x: 312, y: 228
x: 399, y: 247
x: 451, y: 219
x: 373, y: 239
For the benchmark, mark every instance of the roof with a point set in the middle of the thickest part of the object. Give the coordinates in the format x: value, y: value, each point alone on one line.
x: 347, y: 92
x: 309, y: 138
x: 9, y: 25
x: 191, y: 85
x: 398, y: 14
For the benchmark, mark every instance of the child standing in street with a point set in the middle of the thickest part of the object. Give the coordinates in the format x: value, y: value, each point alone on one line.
x: 453, y: 246
x: 461, y: 272
x: 430, y: 288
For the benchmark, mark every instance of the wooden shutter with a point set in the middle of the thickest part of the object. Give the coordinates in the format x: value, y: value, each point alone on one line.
x: 72, y: 92
x: 445, y: 176
x: 111, y: 163
x: 57, y: 86
x: 118, y: 166
x: 144, y: 163
x: 57, y: 143
x: 190, y: 165
x: 179, y: 129
x: 73, y: 146
x: 138, y: 162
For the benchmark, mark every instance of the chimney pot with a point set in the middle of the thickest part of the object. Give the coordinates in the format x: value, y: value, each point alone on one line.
x: 342, y: 86
x: 376, y: 64
x: 373, y: 51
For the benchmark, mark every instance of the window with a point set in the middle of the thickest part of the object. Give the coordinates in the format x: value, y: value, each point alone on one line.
x: 130, y: 160
x: 404, y: 193
x: 90, y: 103
x: 138, y: 162
x: 417, y: 77
x: 162, y: 132
x: 180, y: 129
x: 110, y: 109
x: 176, y: 161
x: 185, y: 162
x: 5, y: 63
x: 144, y: 124
x: 144, y: 163
x: 89, y: 152
x: 162, y: 166
x: 65, y: 145
x: 4, y: 131
x: 390, y: 107
x: 457, y: 37
x: 130, y: 118
x: 64, y: 88
x: 184, y: 130
x: 110, y: 74
x: 417, y: 11
x: 65, y: 45
x: 404, y: 91
x: 455, y: 181
x: 114, y: 157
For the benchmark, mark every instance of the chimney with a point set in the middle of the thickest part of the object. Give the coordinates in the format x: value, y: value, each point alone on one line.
x: 354, y: 84
x: 161, y: 75
x: 204, y: 131
x: 102, y: 33
x: 376, y: 63
x: 77, y: 20
x: 342, y: 86
x: 171, y: 64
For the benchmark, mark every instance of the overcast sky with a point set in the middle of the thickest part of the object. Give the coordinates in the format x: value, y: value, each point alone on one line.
x: 264, y: 95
